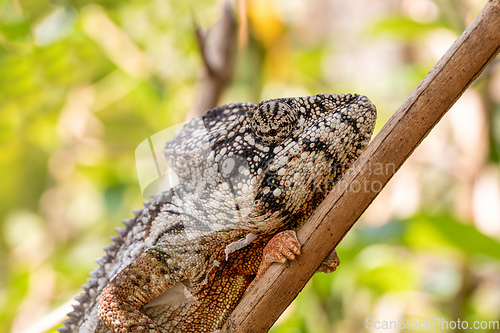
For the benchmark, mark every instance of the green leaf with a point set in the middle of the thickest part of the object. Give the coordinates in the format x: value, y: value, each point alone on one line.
x: 445, y: 231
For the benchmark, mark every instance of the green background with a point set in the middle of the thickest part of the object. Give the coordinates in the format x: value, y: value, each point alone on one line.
x: 82, y: 84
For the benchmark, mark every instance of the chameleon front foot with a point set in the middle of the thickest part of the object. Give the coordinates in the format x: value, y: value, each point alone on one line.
x: 284, y: 245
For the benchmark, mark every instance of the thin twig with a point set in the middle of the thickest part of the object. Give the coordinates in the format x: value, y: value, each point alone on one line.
x: 217, y: 49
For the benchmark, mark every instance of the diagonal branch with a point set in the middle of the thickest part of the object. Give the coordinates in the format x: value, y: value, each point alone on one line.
x: 444, y: 84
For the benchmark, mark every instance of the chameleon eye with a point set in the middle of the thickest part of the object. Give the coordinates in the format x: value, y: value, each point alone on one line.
x: 273, y: 121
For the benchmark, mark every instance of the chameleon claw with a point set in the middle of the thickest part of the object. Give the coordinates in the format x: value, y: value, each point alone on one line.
x: 284, y: 245
x: 330, y: 264
x: 281, y: 247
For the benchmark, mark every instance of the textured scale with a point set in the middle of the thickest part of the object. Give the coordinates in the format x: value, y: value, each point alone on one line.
x: 248, y: 174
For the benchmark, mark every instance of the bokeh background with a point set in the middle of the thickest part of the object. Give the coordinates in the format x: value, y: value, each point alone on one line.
x: 82, y: 84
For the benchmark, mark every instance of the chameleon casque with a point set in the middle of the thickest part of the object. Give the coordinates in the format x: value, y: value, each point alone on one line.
x: 249, y: 175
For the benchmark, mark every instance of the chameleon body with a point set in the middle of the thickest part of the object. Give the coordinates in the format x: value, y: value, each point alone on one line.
x: 248, y: 176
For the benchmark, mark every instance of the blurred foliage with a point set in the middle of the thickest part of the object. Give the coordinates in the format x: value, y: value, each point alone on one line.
x: 81, y: 85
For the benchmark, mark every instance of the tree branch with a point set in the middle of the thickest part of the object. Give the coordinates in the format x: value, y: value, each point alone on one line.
x: 426, y: 105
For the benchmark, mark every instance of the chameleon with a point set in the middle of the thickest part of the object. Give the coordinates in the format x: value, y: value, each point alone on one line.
x: 249, y: 176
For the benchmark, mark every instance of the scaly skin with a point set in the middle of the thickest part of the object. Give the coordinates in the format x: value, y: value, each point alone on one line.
x: 248, y: 176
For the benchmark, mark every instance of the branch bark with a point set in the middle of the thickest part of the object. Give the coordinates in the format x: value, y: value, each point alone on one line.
x: 426, y: 105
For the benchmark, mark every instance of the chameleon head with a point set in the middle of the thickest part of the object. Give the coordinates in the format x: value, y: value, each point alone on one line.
x: 259, y: 166
x: 311, y: 141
